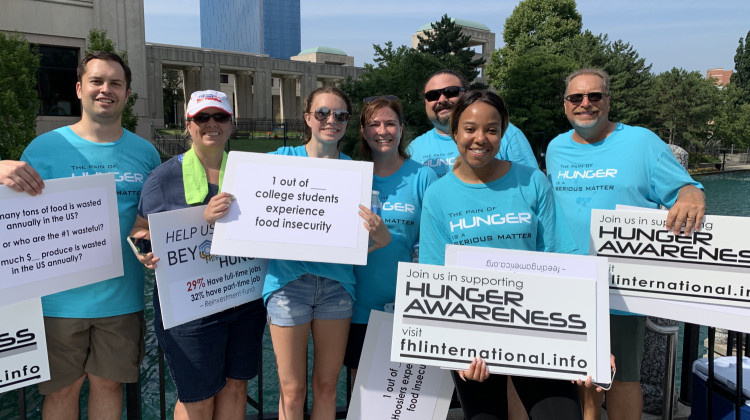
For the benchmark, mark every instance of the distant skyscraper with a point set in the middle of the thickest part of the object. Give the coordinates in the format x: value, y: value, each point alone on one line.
x: 256, y: 26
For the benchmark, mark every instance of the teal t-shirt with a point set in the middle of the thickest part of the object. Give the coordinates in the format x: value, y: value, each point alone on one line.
x: 401, y: 195
x: 439, y: 152
x: 281, y: 272
x: 60, y: 154
x: 516, y: 211
x: 632, y: 166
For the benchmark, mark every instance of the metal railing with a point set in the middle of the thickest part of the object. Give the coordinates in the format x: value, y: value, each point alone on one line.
x: 267, y: 127
x: 174, y: 144
x: 671, y: 332
x: 170, y: 145
x: 690, y: 353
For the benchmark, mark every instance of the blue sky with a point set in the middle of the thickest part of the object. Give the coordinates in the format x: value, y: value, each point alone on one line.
x: 694, y: 35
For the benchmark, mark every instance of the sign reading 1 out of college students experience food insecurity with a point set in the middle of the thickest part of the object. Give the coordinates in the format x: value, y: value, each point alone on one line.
x: 294, y: 208
x: 521, y: 323
x: 700, y: 277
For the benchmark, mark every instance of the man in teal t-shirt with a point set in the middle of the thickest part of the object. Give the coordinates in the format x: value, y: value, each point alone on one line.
x: 96, y: 331
x: 598, y: 165
x: 436, y: 149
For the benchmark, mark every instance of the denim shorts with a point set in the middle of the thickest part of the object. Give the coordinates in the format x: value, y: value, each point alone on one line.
x: 309, y: 297
x: 201, y: 354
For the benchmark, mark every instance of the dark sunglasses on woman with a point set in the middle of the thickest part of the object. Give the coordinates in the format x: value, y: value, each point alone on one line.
x: 321, y: 114
x: 202, y: 118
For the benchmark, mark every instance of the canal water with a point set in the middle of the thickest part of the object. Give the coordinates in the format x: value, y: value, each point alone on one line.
x: 726, y: 194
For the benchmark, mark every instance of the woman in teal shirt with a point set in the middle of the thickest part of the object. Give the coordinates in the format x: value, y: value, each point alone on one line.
x: 517, y: 211
x: 401, y: 183
x: 303, y: 297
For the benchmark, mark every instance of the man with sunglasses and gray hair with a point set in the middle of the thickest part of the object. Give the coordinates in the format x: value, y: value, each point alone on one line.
x: 436, y: 148
x: 95, y: 332
x: 597, y: 165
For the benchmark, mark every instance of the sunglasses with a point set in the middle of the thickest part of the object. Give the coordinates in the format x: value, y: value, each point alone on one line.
x: 202, y: 118
x: 577, y: 98
x: 370, y: 99
x: 448, y: 92
x: 322, y: 114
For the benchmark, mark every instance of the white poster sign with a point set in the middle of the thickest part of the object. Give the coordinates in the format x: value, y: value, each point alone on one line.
x: 521, y: 324
x: 192, y: 282
x: 66, y: 237
x: 295, y: 208
x: 647, y: 260
x: 384, y: 389
x: 544, y: 263
x: 23, y: 345
x: 714, y: 314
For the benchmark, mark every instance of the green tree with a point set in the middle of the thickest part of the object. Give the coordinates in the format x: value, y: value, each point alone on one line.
x: 631, y: 77
x: 732, y: 123
x: 98, y: 41
x: 741, y: 75
x: 18, y: 98
x: 534, y: 24
x: 446, y: 42
x: 533, y: 92
x: 631, y: 84
x: 686, y: 103
x: 172, y: 92
x: 400, y: 71
x: 586, y: 49
x: 537, y: 23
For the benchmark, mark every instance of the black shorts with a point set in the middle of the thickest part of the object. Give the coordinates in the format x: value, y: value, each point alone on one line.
x: 542, y: 398
x: 354, y: 345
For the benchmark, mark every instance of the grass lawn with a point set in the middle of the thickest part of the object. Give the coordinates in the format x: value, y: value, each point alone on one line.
x: 260, y: 145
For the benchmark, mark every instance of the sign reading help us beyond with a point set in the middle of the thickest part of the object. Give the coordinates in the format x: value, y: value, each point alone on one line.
x: 192, y: 282
x: 295, y: 208
x: 521, y: 324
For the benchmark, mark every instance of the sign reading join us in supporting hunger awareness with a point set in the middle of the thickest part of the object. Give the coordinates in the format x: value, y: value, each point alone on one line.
x: 388, y: 390
x: 557, y: 266
x: 192, y: 282
x: 648, y: 263
x: 295, y: 208
x: 66, y: 237
x: 520, y: 324
x: 23, y: 346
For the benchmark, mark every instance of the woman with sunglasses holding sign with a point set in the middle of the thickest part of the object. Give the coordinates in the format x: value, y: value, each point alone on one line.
x: 481, y: 183
x: 303, y: 297
x: 401, y: 183
x: 212, y: 358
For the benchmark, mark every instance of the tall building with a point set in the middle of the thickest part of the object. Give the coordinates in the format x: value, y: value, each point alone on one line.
x: 254, y: 26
